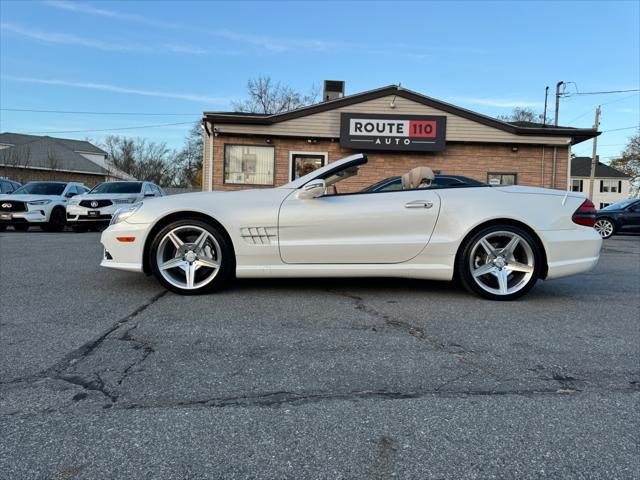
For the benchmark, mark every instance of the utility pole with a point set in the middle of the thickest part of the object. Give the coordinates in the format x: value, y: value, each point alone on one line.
x: 558, y: 85
x: 544, y: 115
x: 594, y: 156
x: 555, y: 149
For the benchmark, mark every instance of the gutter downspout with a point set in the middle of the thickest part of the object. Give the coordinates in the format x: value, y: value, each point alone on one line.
x: 542, y: 169
x: 553, y: 167
x: 210, y: 175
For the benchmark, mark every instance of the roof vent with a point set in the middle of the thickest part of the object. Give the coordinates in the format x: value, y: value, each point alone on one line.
x: 333, y: 89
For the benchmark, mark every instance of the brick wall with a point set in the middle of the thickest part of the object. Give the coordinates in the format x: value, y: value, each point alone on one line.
x: 469, y: 159
x: 24, y: 175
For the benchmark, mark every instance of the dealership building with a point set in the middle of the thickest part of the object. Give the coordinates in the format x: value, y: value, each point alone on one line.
x: 397, y: 128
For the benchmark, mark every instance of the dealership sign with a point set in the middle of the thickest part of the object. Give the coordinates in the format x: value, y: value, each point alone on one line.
x: 417, y: 133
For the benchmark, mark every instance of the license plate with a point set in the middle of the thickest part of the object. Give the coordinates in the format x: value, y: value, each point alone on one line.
x: 94, y: 213
x: 5, y: 216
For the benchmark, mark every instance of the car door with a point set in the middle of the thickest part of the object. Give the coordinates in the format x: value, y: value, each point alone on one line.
x: 385, y: 227
x: 631, y: 218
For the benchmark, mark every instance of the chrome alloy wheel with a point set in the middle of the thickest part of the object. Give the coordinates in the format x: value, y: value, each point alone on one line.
x: 502, y: 263
x: 604, y: 227
x: 188, y: 257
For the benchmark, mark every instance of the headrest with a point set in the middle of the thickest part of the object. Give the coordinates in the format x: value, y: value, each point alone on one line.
x: 414, y: 177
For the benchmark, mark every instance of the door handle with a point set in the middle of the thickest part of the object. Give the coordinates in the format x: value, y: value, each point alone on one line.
x: 419, y: 204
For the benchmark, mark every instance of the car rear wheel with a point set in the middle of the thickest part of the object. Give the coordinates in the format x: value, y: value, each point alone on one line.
x: 191, y: 257
x: 56, y: 221
x: 605, y: 227
x: 501, y: 262
x: 3, y: 228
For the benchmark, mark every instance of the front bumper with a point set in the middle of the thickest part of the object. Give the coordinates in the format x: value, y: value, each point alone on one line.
x: 124, y: 255
x: 77, y: 214
x: 32, y: 216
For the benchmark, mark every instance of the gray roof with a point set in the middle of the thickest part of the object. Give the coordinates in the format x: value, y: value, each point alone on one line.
x: 47, y: 152
x: 581, y: 167
x: 75, y: 145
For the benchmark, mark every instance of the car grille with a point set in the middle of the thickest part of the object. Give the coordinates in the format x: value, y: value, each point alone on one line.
x: 96, y: 203
x: 12, y: 206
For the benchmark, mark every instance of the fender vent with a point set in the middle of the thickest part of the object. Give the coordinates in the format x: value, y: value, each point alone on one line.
x: 259, y: 235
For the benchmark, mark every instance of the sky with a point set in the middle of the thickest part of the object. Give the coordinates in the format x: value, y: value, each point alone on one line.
x: 174, y: 60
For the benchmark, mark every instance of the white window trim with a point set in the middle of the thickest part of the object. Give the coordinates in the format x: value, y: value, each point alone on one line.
x: 304, y: 152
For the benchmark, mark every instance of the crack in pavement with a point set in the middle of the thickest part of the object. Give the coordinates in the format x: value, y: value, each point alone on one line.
x: 64, y: 369
x: 413, y: 330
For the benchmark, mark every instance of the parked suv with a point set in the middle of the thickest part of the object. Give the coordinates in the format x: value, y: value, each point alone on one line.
x: 38, y: 203
x: 95, y: 208
x: 8, y: 186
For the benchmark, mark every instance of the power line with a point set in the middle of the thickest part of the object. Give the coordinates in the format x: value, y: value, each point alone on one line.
x: 618, y: 129
x: 96, y: 113
x: 119, y: 128
x: 602, y: 105
x: 602, y: 93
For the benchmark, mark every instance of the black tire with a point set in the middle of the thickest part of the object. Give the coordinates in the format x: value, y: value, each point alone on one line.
x: 603, y: 229
x: 79, y: 228
x: 226, y: 257
x: 3, y: 227
x: 21, y: 227
x: 57, y: 221
x: 464, y: 263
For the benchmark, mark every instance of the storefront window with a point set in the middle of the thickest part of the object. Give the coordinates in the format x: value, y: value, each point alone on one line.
x: 501, y: 178
x: 303, y: 163
x: 249, y: 164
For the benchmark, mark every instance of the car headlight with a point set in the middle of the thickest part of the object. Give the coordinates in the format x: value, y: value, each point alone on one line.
x: 39, y: 202
x: 74, y: 201
x: 123, y: 213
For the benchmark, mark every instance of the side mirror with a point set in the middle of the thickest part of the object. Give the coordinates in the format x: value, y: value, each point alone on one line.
x: 149, y: 194
x: 313, y: 189
x: 70, y: 194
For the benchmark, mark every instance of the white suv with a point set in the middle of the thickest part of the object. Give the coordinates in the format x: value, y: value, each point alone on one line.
x: 38, y: 203
x: 95, y: 208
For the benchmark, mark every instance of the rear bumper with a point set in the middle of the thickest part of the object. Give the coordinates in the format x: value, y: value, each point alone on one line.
x: 571, y: 251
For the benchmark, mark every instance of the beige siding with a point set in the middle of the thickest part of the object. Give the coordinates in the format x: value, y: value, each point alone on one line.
x: 327, y: 124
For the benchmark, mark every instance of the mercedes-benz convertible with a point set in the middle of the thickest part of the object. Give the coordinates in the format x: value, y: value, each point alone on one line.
x: 498, y: 241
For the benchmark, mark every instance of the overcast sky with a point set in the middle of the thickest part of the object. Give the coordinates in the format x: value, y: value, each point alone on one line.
x: 187, y: 57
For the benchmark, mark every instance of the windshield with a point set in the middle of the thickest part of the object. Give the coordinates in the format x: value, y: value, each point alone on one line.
x: 41, y: 188
x: 117, y: 187
x: 619, y: 205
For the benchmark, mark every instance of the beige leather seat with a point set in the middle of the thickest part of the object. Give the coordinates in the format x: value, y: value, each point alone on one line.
x: 417, y: 177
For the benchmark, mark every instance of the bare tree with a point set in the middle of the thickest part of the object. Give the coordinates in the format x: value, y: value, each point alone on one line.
x: 16, y: 157
x: 53, y: 161
x: 189, y: 159
x: 629, y: 163
x: 143, y: 160
x: 523, y: 114
x: 266, y: 96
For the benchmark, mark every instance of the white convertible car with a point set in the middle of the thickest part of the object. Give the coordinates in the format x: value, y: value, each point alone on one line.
x: 498, y: 241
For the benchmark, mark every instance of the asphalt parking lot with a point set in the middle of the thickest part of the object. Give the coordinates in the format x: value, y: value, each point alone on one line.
x: 104, y: 375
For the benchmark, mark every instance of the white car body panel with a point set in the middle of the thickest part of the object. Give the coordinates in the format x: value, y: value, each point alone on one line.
x: 276, y: 234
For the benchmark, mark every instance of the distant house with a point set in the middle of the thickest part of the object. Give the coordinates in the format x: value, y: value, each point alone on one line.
x: 609, y: 186
x: 24, y: 158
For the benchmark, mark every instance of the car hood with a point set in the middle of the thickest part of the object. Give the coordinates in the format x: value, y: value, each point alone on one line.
x: 29, y: 198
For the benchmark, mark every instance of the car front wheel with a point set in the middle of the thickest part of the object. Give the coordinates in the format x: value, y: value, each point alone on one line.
x: 56, y: 221
x: 501, y: 262
x: 604, y: 227
x: 191, y: 257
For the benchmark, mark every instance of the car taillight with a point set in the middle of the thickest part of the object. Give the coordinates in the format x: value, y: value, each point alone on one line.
x: 585, y: 214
